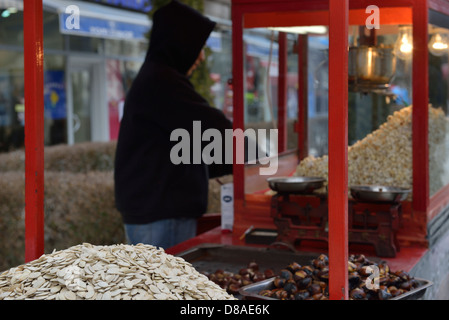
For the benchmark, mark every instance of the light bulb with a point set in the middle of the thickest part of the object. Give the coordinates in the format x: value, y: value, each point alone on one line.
x: 438, y: 44
x: 6, y: 13
x: 404, y: 43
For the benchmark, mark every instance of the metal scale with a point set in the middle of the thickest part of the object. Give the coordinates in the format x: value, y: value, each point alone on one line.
x: 301, y: 213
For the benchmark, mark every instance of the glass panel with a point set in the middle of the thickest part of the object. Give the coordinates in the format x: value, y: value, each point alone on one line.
x: 315, y: 163
x: 261, y: 76
x: 318, y: 89
x: 11, y: 101
x: 11, y: 27
x: 438, y: 112
x: 379, y: 116
x: 53, y: 39
x: 292, y: 91
x: 81, y: 85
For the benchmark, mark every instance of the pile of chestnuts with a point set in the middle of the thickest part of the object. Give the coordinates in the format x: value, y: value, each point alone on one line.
x: 232, y: 282
x: 310, y: 282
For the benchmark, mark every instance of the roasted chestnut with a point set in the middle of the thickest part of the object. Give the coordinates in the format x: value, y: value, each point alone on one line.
x: 354, y: 280
x: 285, y: 274
x: 279, y: 282
x: 300, y: 274
x: 384, y: 269
x: 365, y: 271
x: 357, y: 294
x: 304, y: 283
x: 243, y: 271
x: 317, y: 296
x: 233, y: 288
x: 291, y: 286
x: 258, y: 276
x: 280, y: 294
x: 293, y: 267
x: 323, y: 274
x: 314, y: 288
x: 301, y: 295
x: 352, y: 266
x: 403, y: 275
x: 266, y: 293
x: 360, y: 258
x: 253, y: 265
x: 384, y: 294
x: 308, y: 269
x: 318, y: 263
x: 269, y: 273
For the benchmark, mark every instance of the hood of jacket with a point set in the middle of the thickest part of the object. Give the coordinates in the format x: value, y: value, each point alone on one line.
x: 178, y: 36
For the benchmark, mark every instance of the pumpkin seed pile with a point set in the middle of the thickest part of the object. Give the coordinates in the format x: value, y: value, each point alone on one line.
x: 116, y: 272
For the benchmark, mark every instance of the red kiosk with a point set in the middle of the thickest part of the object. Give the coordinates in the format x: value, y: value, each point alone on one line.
x: 252, y: 208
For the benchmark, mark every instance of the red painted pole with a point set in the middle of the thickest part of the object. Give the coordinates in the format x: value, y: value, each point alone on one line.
x: 420, y: 118
x: 238, y: 96
x: 34, y: 129
x: 282, y: 93
x: 338, y: 149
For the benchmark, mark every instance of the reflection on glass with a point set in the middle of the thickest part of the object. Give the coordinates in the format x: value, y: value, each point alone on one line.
x: 438, y: 44
x: 261, y: 79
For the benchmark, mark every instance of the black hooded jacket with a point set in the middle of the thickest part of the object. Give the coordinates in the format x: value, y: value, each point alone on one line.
x: 148, y: 186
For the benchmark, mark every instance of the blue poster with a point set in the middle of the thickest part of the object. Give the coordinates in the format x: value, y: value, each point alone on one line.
x: 55, y: 95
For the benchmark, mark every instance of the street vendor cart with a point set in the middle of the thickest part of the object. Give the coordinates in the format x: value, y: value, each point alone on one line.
x: 385, y: 191
x: 382, y: 188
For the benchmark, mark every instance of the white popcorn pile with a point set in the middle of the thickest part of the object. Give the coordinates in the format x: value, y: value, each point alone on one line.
x: 384, y: 157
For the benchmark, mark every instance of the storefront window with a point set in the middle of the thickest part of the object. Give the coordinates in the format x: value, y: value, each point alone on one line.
x: 85, y: 44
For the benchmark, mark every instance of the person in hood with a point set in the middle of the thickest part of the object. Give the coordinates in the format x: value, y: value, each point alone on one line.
x: 159, y: 201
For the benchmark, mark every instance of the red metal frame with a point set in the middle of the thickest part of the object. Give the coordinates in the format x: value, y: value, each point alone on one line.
x: 34, y: 129
x: 264, y: 13
x: 420, y: 118
x: 338, y: 201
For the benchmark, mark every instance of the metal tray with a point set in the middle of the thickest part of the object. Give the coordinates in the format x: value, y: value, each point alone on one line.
x: 379, y: 193
x: 299, y: 185
x: 251, y: 292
